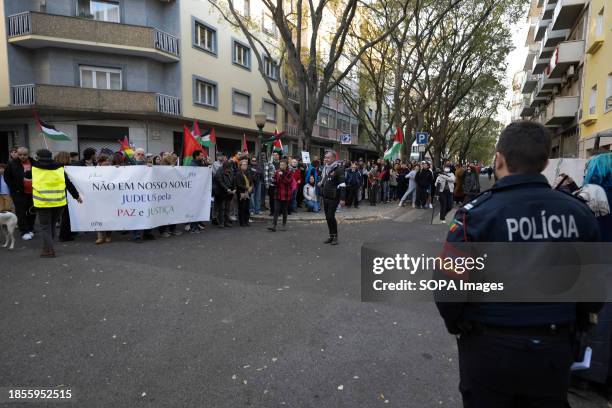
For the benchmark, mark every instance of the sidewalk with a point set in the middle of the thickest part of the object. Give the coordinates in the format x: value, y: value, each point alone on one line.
x: 365, y: 212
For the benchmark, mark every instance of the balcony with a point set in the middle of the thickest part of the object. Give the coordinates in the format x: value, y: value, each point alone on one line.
x: 562, y: 109
x: 551, y: 39
x: 541, y: 29
x: 528, y: 66
x: 545, y: 86
x: 37, y: 30
x: 526, y: 109
x: 321, y: 132
x: 549, y: 10
x: 589, y: 119
x: 75, y: 99
x: 535, y: 101
x: 566, y: 13
x: 540, y: 65
x: 595, y: 44
x: 529, y: 83
x: 567, y: 53
x: 596, y: 38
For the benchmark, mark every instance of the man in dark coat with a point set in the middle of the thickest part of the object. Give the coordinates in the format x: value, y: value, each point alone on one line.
x: 18, y: 177
x: 224, y: 188
x: 333, y: 192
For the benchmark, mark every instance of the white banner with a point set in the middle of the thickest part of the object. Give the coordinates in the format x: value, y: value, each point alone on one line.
x: 138, y: 197
x: 572, y: 167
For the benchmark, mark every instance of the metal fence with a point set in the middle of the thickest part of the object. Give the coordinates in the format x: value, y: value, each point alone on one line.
x: 170, y: 105
x: 166, y: 42
x: 23, y: 95
x: 19, y: 24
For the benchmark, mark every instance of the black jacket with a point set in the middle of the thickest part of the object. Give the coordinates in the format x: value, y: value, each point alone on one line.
x: 489, y: 217
x: 224, y: 181
x: 333, y: 185
x: 53, y: 165
x: 424, y: 178
x: 353, y: 178
x: 14, y: 174
x: 471, y: 183
x: 241, y: 186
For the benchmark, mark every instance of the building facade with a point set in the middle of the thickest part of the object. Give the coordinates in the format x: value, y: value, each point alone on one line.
x: 563, y: 74
x: 596, y: 112
x: 100, y: 70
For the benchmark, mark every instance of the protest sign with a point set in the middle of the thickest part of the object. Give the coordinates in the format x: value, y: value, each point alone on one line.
x: 138, y: 197
x: 306, y: 157
x: 570, y: 166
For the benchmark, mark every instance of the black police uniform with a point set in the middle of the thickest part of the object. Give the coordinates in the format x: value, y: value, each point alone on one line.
x: 517, y: 354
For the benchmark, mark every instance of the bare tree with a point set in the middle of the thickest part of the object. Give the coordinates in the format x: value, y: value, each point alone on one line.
x: 314, y: 72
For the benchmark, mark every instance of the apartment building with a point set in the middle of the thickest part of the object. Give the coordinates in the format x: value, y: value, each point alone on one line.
x: 563, y: 74
x: 100, y: 70
x: 596, y: 112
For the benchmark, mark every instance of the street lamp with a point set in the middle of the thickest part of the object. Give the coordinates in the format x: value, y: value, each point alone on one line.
x: 260, y: 121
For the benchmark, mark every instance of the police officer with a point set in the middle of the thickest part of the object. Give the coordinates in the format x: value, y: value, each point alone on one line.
x: 49, y: 184
x: 518, y: 354
x: 333, y: 191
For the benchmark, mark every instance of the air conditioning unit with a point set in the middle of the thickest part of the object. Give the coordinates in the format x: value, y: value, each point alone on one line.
x: 571, y: 71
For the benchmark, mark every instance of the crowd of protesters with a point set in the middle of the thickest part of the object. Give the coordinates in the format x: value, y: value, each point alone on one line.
x: 245, y: 185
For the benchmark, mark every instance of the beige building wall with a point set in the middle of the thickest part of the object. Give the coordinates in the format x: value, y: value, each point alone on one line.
x: 220, y: 69
x: 4, y: 75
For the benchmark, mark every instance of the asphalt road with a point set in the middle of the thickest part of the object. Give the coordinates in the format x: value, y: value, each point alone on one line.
x: 226, y: 318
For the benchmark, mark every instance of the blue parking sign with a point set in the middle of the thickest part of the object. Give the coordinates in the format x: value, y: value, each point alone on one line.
x: 422, y: 138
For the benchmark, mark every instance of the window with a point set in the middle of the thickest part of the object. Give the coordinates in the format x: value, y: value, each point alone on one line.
x: 344, y: 123
x: 599, y: 23
x: 205, y: 93
x: 593, y: 101
x: 241, y: 55
x: 267, y: 24
x: 327, y: 118
x: 241, y: 103
x: 354, y: 129
x: 269, y: 108
x: 100, y: 78
x: 609, y: 93
x: 270, y: 68
x: 205, y: 37
x: 242, y: 7
x: 102, y: 10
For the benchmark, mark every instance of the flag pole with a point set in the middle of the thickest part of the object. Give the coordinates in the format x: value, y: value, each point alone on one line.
x: 45, y: 140
x: 37, y: 119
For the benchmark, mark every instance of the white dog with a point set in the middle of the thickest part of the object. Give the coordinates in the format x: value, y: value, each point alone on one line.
x: 8, y: 222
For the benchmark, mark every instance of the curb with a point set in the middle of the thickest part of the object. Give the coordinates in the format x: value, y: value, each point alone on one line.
x: 339, y: 217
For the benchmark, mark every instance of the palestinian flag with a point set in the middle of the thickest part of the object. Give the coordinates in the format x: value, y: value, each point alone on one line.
x: 195, y: 131
x: 277, y: 146
x: 398, y: 141
x: 209, y: 138
x: 50, y: 131
x: 126, y: 149
x: 190, y: 145
x: 274, y: 137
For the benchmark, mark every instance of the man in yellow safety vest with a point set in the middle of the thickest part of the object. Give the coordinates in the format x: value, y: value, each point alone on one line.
x: 49, y: 185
